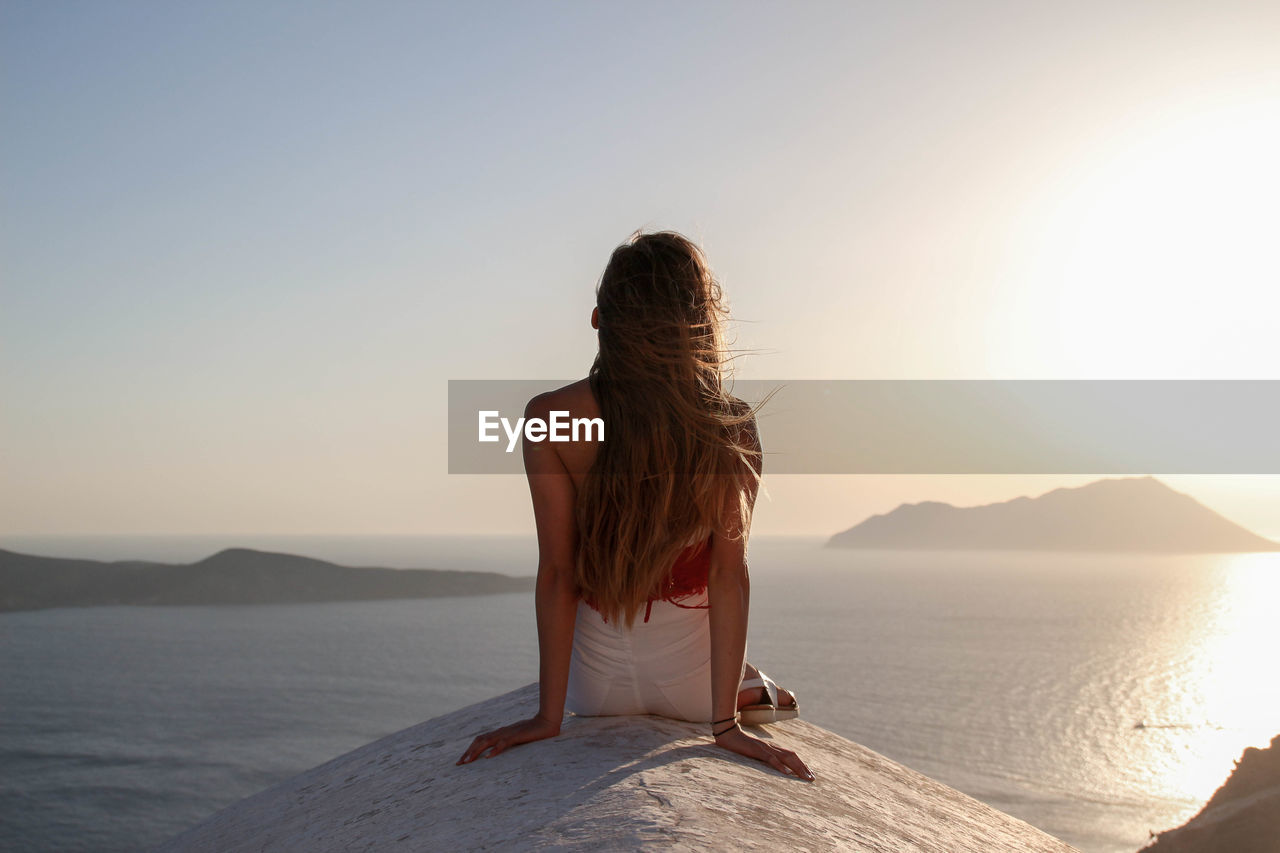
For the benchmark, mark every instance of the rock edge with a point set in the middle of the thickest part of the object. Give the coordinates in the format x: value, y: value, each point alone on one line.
x: 606, y: 783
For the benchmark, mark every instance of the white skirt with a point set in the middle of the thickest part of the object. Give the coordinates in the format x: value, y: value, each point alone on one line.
x: 661, y: 667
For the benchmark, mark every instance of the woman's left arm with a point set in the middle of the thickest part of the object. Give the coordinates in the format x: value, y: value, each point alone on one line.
x: 555, y: 597
x: 729, y: 593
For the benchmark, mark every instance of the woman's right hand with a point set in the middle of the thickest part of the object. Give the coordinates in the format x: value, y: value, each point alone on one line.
x: 782, y: 760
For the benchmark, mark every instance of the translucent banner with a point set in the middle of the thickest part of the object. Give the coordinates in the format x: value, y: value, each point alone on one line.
x: 975, y: 426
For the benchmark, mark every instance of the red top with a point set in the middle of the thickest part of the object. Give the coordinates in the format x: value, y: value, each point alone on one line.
x: 687, y: 578
x: 688, y: 575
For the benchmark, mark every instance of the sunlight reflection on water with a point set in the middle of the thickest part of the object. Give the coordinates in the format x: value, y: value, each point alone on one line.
x: 1231, y: 699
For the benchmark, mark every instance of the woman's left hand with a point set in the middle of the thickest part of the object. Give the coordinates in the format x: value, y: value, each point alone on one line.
x: 534, y: 728
x: 783, y: 760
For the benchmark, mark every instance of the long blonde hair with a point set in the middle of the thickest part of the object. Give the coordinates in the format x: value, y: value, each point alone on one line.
x: 680, y: 458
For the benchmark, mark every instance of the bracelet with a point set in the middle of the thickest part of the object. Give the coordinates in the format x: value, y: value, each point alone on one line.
x: 715, y: 723
x: 725, y: 730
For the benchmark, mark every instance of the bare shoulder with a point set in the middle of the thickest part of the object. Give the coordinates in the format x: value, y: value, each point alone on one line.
x: 575, y: 398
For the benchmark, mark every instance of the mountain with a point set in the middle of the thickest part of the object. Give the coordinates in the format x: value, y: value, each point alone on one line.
x: 1243, y: 816
x: 1118, y: 514
x: 231, y: 576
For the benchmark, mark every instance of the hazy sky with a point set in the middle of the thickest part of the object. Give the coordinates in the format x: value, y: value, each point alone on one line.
x: 245, y: 245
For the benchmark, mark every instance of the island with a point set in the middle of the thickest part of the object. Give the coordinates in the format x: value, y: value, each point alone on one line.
x: 1139, y: 514
x: 231, y: 576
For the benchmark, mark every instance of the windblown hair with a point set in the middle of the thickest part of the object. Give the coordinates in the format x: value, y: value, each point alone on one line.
x: 681, y: 456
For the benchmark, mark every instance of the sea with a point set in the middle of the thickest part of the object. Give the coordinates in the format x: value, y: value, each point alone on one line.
x: 1098, y: 697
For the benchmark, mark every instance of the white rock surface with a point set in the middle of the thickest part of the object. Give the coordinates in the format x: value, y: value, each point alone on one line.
x: 606, y: 783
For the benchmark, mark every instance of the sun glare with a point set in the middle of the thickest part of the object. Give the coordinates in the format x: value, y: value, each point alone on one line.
x: 1157, y: 256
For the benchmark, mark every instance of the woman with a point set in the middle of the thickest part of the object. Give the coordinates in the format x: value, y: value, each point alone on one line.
x: 655, y: 516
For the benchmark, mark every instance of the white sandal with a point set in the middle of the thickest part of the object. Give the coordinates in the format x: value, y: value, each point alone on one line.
x: 758, y: 715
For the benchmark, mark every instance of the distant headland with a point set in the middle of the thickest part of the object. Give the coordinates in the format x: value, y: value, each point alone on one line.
x: 1138, y: 514
x: 231, y: 576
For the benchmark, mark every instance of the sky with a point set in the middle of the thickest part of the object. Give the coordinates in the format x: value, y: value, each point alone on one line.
x: 245, y: 245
